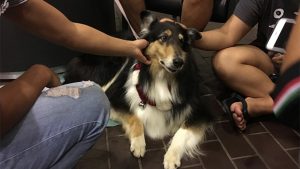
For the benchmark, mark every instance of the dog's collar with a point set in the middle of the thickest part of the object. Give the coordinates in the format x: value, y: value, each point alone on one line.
x: 144, y: 99
x: 137, y: 66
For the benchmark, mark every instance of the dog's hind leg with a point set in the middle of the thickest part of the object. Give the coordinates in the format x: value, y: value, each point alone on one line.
x: 134, y: 129
x: 185, y: 141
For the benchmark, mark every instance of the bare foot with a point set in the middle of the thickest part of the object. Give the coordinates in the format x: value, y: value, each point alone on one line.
x: 236, y: 109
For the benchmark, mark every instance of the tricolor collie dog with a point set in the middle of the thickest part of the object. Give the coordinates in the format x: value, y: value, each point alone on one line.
x: 161, y: 99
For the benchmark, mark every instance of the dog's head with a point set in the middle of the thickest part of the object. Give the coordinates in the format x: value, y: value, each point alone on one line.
x: 169, y: 41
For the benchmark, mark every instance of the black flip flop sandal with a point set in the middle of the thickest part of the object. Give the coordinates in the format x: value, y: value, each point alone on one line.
x: 235, y: 97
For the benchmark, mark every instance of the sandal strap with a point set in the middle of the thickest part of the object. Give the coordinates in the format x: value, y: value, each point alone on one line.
x: 244, y: 106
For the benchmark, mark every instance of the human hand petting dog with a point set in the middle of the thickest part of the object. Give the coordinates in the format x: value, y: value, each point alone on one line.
x: 171, y: 20
x: 138, y: 46
x: 182, y: 25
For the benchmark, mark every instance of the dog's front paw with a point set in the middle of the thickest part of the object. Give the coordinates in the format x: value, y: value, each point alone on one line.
x: 171, y: 160
x: 138, y: 146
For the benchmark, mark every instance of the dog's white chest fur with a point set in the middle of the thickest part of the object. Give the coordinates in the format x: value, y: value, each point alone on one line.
x: 157, y: 120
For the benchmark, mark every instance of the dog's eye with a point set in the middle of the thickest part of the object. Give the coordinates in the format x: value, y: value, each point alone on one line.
x: 163, y: 38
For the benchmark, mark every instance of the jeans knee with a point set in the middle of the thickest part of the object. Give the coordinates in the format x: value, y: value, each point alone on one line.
x: 99, y: 102
x: 97, y: 109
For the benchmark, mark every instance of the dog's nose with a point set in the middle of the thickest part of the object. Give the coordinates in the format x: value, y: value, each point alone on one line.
x: 177, y: 62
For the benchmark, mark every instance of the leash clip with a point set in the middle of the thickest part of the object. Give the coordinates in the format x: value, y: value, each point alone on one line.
x: 142, y: 104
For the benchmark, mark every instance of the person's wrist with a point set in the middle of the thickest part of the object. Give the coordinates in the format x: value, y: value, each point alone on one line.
x: 47, y: 76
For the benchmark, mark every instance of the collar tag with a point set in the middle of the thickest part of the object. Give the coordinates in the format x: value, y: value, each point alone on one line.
x: 142, y: 104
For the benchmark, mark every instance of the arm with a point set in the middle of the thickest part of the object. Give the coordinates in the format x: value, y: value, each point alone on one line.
x: 226, y: 36
x: 18, y: 96
x: 196, y: 13
x: 41, y: 19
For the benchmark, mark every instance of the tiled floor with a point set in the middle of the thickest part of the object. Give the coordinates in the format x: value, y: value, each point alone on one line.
x: 265, y: 144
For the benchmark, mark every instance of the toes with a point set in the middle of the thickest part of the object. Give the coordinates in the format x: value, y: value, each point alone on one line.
x: 138, y: 146
x: 171, y: 160
x: 237, y: 115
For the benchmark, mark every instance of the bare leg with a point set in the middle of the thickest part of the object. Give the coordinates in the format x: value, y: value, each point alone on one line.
x: 133, y: 8
x: 196, y: 13
x: 245, y: 69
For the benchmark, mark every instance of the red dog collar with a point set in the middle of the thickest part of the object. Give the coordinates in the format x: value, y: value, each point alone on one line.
x: 144, y: 99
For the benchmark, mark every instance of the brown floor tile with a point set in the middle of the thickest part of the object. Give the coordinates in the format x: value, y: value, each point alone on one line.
x: 188, y: 161
x: 249, y: 163
x: 120, y: 155
x: 94, y: 159
x: 270, y: 151
x: 97, y: 157
x: 167, y: 140
x: 192, y: 167
x: 215, y: 156
x: 115, y: 131
x: 233, y: 141
x: 295, y: 155
x: 101, y: 142
x: 255, y: 127
x: 210, y: 135
x: 153, y: 144
x: 153, y: 159
x: 285, y: 135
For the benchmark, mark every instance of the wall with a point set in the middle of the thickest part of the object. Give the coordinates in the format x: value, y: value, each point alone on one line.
x: 19, y: 50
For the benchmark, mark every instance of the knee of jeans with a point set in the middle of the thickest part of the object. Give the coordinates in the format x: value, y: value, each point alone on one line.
x: 99, y: 102
x: 88, y: 97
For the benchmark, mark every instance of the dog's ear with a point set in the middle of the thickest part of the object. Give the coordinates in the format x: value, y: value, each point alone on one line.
x: 147, y: 19
x: 193, y: 34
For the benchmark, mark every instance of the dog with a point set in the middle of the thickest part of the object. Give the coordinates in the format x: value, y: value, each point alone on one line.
x: 164, y: 98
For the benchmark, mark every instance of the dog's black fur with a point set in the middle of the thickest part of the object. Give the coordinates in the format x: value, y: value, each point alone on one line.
x: 182, y: 72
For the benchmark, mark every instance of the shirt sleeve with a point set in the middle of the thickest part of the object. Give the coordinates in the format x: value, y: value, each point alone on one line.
x: 249, y: 11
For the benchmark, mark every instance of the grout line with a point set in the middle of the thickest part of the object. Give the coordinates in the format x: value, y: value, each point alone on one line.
x: 298, y: 134
x: 107, y: 148
x: 293, y: 148
x: 165, y: 145
x: 241, y: 157
x: 222, y: 121
x: 225, y: 150
x: 201, y: 161
x: 119, y: 135
x: 253, y: 134
x: 140, y: 163
x: 275, y: 139
x: 155, y: 149
x: 192, y: 165
x: 255, y: 150
x: 209, y: 141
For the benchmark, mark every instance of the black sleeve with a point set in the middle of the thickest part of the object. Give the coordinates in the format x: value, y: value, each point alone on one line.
x: 249, y: 11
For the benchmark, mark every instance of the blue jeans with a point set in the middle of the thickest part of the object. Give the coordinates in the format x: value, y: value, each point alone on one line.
x: 57, y: 131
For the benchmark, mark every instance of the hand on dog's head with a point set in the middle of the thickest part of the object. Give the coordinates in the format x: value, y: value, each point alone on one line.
x: 149, y: 19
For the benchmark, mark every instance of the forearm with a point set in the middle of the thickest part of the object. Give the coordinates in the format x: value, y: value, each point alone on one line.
x: 42, y: 19
x: 226, y: 36
x: 214, y: 40
x: 196, y: 13
x: 18, y: 96
x: 90, y: 40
